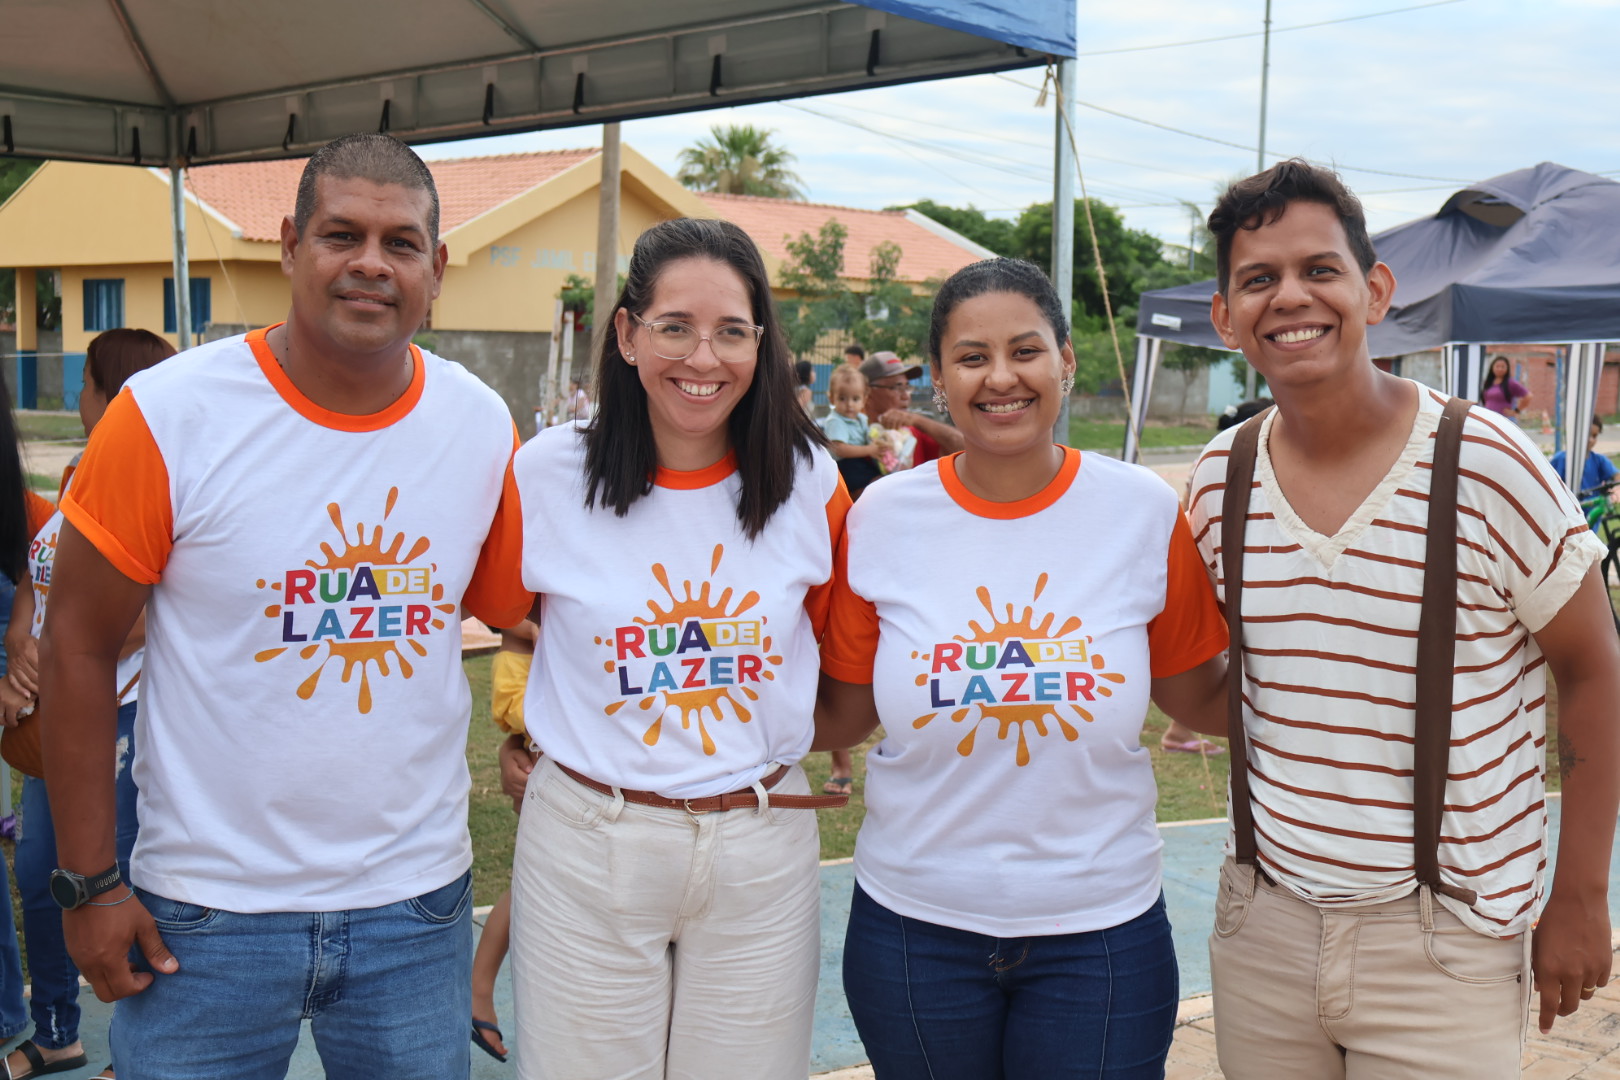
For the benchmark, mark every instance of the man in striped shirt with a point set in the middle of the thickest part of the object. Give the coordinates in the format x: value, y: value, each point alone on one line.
x: 1329, y: 959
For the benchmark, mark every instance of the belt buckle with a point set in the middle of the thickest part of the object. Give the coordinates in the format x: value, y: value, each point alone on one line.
x: 686, y: 804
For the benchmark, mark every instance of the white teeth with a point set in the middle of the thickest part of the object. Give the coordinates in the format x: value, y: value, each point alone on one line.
x: 699, y: 389
x: 1009, y: 407
x: 1293, y: 337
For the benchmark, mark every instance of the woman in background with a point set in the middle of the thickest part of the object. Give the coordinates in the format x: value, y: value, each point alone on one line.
x: 1501, y: 392
x: 110, y: 359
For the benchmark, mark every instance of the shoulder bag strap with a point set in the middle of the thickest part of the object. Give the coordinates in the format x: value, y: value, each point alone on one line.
x: 1436, y: 652
x: 1234, y: 527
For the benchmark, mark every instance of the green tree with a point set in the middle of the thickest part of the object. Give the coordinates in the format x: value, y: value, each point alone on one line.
x: 578, y: 295
x: 993, y: 233
x: 1127, y: 254
x: 895, y: 316
x: 740, y: 159
x: 815, y: 270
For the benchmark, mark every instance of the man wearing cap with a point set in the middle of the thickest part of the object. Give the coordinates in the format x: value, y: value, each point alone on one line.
x: 888, y: 393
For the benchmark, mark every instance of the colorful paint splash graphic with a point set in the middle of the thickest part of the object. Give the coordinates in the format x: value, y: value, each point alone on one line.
x: 699, y: 696
x: 1042, y: 717
x: 362, y: 644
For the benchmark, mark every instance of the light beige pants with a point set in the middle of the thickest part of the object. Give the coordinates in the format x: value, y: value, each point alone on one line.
x: 650, y: 944
x: 1394, y: 991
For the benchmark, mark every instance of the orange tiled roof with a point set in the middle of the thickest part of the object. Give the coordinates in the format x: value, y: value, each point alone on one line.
x: 771, y: 222
x: 256, y: 195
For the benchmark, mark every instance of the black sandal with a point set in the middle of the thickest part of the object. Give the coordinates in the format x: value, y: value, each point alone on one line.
x: 38, y: 1066
x: 479, y: 1041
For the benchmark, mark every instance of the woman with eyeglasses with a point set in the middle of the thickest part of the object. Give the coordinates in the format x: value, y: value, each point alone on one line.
x: 664, y: 894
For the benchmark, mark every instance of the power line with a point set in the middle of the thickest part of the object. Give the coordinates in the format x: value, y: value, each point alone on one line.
x: 1235, y: 145
x: 1274, y: 30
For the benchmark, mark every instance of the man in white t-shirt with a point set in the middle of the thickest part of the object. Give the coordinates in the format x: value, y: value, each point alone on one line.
x: 1329, y: 959
x: 303, y: 511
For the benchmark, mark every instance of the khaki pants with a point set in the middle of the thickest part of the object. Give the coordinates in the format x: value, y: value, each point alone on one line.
x: 653, y: 944
x: 1394, y: 991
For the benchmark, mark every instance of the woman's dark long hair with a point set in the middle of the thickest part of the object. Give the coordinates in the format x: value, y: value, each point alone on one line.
x: 767, y: 428
x: 1490, y: 379
x: 14, y: 532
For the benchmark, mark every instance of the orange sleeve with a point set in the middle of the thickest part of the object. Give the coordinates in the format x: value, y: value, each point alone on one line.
x: 1190, y: 629
x: 850, y: 644
x: 819, y: 598
x: 40, y: 510
x: 120, y: 494
x: 496, y: 593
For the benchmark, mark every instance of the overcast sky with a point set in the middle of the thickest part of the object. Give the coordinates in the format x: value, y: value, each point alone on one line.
x: 1445, y: 93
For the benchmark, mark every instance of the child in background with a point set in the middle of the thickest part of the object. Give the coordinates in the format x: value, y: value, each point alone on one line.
x: 848, y: 434
x: 508, y: 675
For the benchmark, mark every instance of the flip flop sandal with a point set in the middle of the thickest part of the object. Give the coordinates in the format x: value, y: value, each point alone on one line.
x: 1193, y: 746
x: 839, y: 785
x: 38, y: 1066
x: 479, y: 1041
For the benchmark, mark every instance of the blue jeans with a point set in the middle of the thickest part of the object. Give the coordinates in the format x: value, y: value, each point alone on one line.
x: 387, y: 992
x: 936, y: 1003
x: 55, y: 1001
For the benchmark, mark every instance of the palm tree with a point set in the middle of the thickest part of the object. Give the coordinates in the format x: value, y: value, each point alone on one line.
x: 739, y: 160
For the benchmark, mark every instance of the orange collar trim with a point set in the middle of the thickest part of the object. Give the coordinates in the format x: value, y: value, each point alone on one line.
x: 1006, y: 511
x: 326, y: 418
x: 692, y: 480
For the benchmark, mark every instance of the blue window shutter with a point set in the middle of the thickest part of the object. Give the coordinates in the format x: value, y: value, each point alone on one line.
x: 168, y: 306
x: 202, y: 304
x: 103, y: 303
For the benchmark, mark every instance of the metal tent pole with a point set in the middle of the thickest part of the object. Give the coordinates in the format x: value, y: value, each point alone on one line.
x: 607, y: 242
x: 1063, y: 172
x: 182, y: 265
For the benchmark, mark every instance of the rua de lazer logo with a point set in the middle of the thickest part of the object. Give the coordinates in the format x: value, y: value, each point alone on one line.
x: 1019, y: 671
x: 362, y: 606
x: 696, y: 657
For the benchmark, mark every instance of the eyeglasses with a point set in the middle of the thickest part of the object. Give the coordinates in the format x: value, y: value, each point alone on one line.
x: 901, y: 387
x: 732, y: 343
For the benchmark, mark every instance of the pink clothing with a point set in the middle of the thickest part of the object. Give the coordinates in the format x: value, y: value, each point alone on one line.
x: 1504, y: 397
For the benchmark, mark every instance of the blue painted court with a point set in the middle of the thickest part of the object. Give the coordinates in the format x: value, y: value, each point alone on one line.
x: 1192, y: 858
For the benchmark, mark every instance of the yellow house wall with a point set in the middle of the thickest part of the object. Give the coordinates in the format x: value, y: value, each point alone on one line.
x: 513, y: 284
x: 263, y: 292
x: 70, y: 213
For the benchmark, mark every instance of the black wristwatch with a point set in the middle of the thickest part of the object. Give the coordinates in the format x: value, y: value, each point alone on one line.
x: 71, y: 890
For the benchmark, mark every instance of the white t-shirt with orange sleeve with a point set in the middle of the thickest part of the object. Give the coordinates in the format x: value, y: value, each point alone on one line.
x: 303, y: 711
x: 675, y: 654
x: 1010, y: 647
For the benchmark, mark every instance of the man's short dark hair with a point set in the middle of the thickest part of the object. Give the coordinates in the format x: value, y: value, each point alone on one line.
x: 854, y: 350
x: 1261, y: 199
x: 367, y: 155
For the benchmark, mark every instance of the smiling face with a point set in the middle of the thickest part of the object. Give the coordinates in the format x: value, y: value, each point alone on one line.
x: 690, y: 400
x: 1297, y: 304
x: 365, y: 270
x: 1002, y: 368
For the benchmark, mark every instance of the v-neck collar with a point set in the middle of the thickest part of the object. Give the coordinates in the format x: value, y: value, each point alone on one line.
x: 1327, y: 549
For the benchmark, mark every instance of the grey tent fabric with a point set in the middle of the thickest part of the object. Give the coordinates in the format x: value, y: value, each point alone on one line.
x: 154, y: 81
x: 1530, y: 256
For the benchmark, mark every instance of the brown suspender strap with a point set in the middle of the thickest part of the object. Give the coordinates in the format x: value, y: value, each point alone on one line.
x: 1437, y: 639
x: 1234, y: 526
x: 1436, y: 653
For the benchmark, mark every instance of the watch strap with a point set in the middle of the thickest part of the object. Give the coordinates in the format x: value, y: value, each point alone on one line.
x: 100, y: 883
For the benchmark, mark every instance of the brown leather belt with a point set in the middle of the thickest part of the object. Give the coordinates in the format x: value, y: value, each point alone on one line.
x: 731, y: 800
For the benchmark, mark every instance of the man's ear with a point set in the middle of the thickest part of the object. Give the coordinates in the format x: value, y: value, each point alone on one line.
x: 1221, y: 317
x: 1381, y: 289
x: 289, y: 243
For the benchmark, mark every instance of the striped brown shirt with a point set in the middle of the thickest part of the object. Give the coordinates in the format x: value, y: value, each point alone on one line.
x: 1330, y: 628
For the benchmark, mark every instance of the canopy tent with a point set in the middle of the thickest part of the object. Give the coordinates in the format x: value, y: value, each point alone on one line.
x: 1527, y: 257
x: 181, y: 82
x: 158, y: 81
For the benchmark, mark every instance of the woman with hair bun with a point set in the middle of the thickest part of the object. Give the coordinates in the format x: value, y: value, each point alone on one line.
x: 1008, y: 920
x: 665, y: 889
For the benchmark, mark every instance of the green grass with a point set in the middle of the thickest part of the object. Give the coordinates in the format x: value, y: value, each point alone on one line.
x: 45, y: 426
x: 1110, y: 434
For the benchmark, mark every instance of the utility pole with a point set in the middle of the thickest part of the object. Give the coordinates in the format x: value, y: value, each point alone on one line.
x: 1063, y: 214
x: 607, y: 243
x: 1249, y: 384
